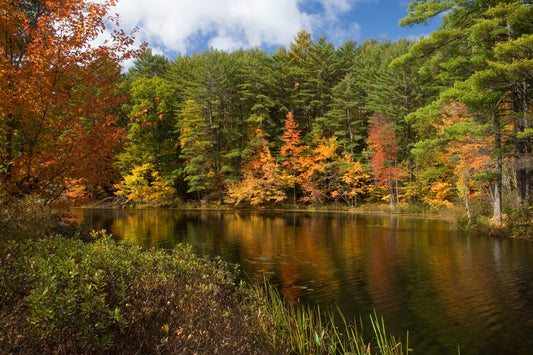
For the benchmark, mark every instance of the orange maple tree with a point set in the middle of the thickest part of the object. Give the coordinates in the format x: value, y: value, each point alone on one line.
x: 383, y: 144
x: 468, y: 151
x: 58, y: 94
x: 290, y: 152
x: 315, y: 166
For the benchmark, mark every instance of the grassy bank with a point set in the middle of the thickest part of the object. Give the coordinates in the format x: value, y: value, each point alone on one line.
x: 63, y: 295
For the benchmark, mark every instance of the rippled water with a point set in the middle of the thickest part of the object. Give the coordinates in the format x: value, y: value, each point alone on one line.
x: 447, y: 288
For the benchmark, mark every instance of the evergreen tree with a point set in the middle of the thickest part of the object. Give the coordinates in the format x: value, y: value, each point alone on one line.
x: 300, y: 75
x: 347, y: 119
x: 462, y: 57
x: 151, y: 135
x: 148, y: 65
x: 196, y: 150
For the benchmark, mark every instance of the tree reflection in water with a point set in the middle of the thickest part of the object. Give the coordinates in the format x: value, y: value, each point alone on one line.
x: 445, y: 287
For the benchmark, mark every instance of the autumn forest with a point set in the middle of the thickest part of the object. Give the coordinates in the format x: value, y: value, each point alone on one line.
x: 441, y: 123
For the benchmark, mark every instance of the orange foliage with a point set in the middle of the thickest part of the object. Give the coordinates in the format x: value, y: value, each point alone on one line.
x: 57, y: 95
x: 259, y: 184
x: 313, y: 169
x: 291, y: 138
x: 383, y: 144
x: 469, y: 154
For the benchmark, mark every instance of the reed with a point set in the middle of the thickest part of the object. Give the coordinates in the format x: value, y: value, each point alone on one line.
x: 296, y: 329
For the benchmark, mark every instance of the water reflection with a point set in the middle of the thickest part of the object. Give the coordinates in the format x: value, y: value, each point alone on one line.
x: 448, y: 289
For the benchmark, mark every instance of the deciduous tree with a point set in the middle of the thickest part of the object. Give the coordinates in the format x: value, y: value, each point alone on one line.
x: 383, y: 146
x: 144, y: 186
x: 259, y: 184
x: 290, y: 151
x: 57, y: 95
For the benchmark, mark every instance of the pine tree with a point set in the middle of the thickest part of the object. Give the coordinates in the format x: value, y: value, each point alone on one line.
x: 462, y: 57
x: 196, y: 150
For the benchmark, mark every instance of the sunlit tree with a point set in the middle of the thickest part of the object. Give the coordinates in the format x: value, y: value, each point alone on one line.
x: 58, y: 95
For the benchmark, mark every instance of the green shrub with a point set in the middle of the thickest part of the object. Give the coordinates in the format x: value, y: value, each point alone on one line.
x: 480, y: 214
x: 25, y: 218
x: 519, y: 221
x: 62, y: 295
x: 65, y: 296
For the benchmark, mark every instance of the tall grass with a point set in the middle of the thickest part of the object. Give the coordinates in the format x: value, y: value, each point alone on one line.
x: 298, y: 329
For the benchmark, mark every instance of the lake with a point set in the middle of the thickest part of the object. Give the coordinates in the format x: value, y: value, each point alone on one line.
x: 447, y: 288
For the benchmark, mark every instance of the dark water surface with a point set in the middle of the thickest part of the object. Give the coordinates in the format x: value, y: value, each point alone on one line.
x: 447, y: 288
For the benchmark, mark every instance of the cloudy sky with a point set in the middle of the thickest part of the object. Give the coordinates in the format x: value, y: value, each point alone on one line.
x: 171, y: 27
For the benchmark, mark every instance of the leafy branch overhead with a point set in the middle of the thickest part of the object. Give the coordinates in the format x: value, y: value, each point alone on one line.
x: 58, y: 95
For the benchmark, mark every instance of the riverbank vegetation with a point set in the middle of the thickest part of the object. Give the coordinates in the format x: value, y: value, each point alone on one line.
x: 64, y: 295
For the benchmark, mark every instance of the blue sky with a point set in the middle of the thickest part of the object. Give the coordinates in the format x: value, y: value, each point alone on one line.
x: 186, y: 26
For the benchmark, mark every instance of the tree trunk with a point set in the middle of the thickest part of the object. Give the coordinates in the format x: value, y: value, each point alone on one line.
x: 497, y: 214
x: 466, y: 204
x: 396, y: 185
x: 524, y: 158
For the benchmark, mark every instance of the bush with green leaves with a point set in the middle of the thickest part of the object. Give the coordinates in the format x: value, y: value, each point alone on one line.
x: 64, y: 296
x: 25, y: 218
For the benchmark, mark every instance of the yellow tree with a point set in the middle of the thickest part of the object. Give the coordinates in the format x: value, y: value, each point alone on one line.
x: 146, y: 187
x: 259, y: 184
x: 354, y: 181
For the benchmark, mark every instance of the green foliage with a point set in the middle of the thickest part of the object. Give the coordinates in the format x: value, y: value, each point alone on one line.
x: 151, y: 128
x: 421, y: 11
x: 64, y: 296
x: 196, y: 149
x: 519, y: 221
x: 346, y: 120
x: 480, y: 217
x: 148, y: 65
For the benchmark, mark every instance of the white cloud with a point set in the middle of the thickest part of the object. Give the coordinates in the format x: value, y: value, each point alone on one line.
x: 328, y: 20
x: 174, y: 25
x: 333, y: 7
x: 341, y: 33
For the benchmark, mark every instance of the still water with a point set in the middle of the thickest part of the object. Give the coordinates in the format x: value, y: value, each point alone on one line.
x: 448, y: 289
